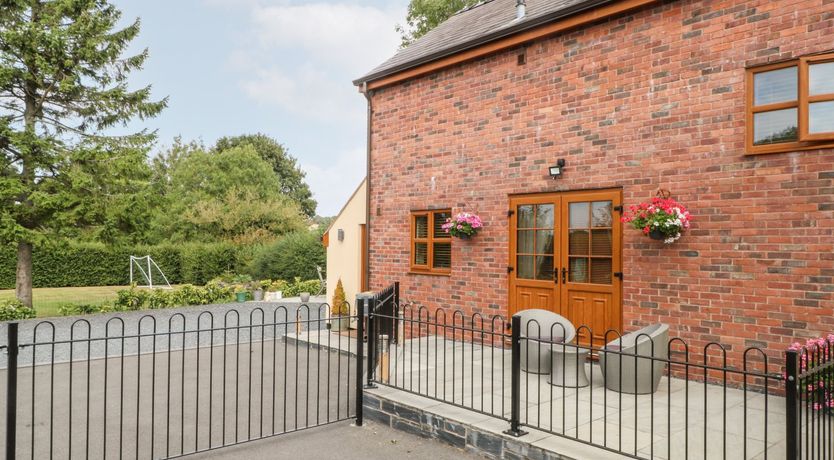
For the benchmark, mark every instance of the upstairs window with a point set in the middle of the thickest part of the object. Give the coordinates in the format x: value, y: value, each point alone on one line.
x: 790, y: 105
x: 431, y: 246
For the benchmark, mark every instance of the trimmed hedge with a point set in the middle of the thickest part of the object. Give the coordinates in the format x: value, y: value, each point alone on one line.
x: 91, y: 264
x: 294, y: 255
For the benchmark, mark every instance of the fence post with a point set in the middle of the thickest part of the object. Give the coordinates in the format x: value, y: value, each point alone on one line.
x: 396, y: 312
x: 515, y: 394
x: 360, y: 352
x: 370, y: 307
x: 11, y: 391
x: 792, y: 404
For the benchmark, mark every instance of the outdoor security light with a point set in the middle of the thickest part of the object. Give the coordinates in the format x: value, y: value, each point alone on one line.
x: 341, y: 234
x: 556, y: 171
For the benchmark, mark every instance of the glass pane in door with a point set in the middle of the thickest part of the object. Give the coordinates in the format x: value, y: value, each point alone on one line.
x: 590, y: 242
x: 535, y: 241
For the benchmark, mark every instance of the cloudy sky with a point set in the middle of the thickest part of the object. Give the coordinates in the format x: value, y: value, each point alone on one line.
x: 283, y: 68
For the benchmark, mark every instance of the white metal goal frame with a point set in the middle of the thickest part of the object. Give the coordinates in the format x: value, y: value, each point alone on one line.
x: 145, y: 265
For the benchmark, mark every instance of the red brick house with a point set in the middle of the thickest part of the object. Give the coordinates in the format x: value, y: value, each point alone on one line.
x: 727, y: 104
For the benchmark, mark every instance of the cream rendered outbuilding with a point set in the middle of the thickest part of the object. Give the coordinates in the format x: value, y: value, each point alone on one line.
x: 344, y: 242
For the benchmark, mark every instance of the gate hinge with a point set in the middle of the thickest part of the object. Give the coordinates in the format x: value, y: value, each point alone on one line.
x: 510, y: 269
x: 618, y: 208
x: 619, y: 275
x: 510, y: 213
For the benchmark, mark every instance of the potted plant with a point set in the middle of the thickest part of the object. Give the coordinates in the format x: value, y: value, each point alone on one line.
x: 305, y: 297
x: 275, y: 290
x: 661, y: 219
x: 339, y: 309
x: 258, y: 293
x: 464, y: 225
x: 240, y: 293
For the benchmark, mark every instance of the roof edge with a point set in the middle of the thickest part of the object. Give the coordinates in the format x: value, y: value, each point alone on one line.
x: 344, y: 206
x: 480, y: 41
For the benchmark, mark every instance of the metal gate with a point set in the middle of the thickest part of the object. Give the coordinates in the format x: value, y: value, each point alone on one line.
x: 174, y: 383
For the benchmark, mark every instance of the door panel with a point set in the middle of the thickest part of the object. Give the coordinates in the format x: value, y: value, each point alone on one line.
x: 590, y: 257
x: 534, y: 256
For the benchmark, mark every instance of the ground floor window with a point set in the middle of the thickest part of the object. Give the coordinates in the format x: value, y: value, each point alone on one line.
x: 431, y: 246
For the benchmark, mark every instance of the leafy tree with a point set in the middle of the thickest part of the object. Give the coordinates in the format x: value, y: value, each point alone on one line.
x: 63, y: 84
x: 232, y: 195
x: 284, y: 165
x: 425, y: 15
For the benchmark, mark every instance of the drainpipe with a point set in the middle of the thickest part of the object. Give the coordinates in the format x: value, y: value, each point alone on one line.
x: 368, y: 94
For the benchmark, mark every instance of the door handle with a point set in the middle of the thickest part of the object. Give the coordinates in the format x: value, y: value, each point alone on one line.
x: 564, y: 275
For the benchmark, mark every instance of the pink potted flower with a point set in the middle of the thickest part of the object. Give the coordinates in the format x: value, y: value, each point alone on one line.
x: 663, y: 219
x: 464, y: 225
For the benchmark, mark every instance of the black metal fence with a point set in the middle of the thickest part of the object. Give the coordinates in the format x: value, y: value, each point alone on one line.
x: 708, y: 401
x: 809, y: 372
x: 445, y: 356
x: 142, y: 387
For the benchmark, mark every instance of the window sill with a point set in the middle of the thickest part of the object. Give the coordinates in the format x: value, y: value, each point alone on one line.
x: 418, y: 272
x: 785, y: 148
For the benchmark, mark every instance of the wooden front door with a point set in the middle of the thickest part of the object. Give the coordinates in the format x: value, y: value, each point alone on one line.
x: 565, y: 257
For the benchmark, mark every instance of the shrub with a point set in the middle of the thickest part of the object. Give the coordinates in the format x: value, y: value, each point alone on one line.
x: 131, y: 299
x: 297, y: 287
x: 203, y: 262
x: 339, y: 306
x: 71, y: 309
x: 278, y: 285
x: 12, y: 310
x: 294, y: 255
x: 160, y: 298
x: 138, y: 299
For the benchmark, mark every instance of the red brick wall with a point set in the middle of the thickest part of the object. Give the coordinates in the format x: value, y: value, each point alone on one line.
x: 651, y: 99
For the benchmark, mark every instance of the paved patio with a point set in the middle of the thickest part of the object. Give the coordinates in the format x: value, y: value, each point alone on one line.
x: 681, y: 420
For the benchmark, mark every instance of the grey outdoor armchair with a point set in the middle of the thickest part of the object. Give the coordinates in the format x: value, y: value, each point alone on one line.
x: 617, y: 360
x: 546, y: 328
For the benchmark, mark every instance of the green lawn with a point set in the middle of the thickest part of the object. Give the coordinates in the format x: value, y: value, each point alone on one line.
x: 47, y: 300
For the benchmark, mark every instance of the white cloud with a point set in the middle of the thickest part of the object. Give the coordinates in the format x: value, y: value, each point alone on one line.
x: 307, y: 91
x: 302, y: 58
x: 349, y: 37
x: 333, y: 183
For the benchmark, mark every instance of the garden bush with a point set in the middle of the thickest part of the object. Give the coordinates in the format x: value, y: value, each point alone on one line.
x: 202, y: 262
x: 139, y: 299
x: 12, y: 310
x: 72, y: 309
x: 297, y: 287
x: 294, y: 255
x: 93, y: 264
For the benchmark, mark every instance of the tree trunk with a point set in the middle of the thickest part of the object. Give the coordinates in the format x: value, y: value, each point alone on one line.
x: 23, y: 286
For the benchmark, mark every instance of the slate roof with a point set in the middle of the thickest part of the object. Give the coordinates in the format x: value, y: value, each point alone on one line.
x: 471, y: 27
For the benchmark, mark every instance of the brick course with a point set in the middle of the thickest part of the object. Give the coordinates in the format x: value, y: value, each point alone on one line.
x: 651, y: 99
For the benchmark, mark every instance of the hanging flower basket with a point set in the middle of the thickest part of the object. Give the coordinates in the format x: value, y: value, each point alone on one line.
x: 662, y: 219
x: 465, y: 225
